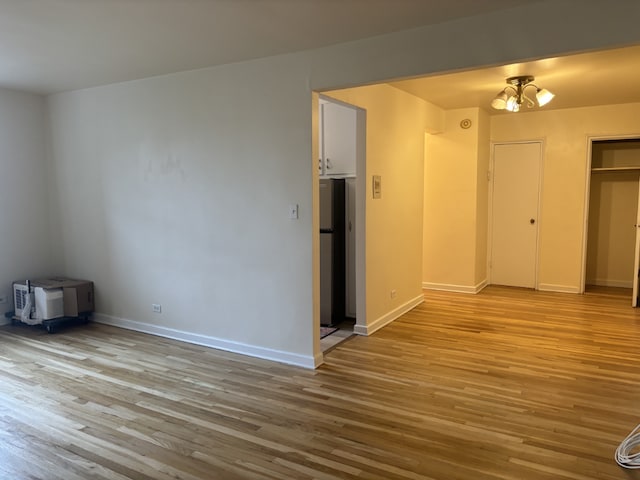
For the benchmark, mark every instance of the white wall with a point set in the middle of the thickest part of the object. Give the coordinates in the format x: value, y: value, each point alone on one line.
x: 174, y: 190
x: 25, y: 248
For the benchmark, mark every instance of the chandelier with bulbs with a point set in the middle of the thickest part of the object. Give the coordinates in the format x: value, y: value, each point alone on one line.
x: 515, y: 94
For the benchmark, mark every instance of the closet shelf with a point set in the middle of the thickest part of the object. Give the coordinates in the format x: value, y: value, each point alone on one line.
x: 615, y: 169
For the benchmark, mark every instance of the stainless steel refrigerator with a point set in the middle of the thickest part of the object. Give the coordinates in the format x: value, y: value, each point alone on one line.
x: 332, y: 251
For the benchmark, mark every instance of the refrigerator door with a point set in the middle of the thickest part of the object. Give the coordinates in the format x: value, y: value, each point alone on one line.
x: 332, y: 244
x: 326, y: 278
x: 326, y: 205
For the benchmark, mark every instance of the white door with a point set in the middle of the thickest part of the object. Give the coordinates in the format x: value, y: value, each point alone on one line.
x: 515, y: 204
x: 636, y: 263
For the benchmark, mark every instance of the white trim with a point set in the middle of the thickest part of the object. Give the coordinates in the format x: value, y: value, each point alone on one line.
x: 445, y: 287
x: 361, y: 208
x: 549, y: 287
x: 318, y: 359
x: 585, y: 216
x: 388, y: 317
x: 361, y: 215
x: 212, y: 342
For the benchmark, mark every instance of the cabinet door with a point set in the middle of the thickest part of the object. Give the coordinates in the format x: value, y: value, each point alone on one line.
x: 339, y: 139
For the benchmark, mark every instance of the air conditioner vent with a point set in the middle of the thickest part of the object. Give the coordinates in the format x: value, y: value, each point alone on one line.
x: 19, y: 297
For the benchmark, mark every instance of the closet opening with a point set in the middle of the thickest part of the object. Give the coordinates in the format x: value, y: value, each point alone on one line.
x: 612, y: 233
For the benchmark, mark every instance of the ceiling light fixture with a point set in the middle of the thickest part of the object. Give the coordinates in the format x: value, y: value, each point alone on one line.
x: 513, y: 96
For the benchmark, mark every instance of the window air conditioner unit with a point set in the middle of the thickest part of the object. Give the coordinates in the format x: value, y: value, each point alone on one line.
x: 40, y: 304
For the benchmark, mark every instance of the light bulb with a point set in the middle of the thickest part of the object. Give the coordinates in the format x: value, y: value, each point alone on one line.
x: 500, y: 102
x: 512, y: 104
x: 544, y: 96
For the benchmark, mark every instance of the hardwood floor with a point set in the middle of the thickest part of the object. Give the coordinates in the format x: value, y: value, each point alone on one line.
x: 507, y: 384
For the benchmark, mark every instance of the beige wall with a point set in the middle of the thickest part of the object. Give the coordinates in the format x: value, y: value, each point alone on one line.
x: 565, y: 134
x: 396, y: 122
x: 455, y: 203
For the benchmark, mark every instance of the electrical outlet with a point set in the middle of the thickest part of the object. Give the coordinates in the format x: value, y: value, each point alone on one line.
x: 394, y: 293
x: 157, y: 308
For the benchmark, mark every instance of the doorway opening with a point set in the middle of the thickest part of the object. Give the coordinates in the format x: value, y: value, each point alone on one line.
x: 341, y: 167
x: 612, y: 240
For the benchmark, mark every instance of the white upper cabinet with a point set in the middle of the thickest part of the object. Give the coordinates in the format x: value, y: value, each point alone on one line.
x: 337, y: 140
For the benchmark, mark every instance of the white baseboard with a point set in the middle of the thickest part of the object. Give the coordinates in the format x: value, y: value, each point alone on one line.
x: 445, y: 287
x: 611, y: 283
x: 549, y: 287
x: 212, y: 342
x: 388, y: 318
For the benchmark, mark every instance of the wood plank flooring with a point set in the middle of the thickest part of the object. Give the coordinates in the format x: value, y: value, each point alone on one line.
x: 507, y: 384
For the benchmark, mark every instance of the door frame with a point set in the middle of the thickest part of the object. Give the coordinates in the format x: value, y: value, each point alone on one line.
x: 636, y: 257
x: 587, y: 195
x: 490, y: 178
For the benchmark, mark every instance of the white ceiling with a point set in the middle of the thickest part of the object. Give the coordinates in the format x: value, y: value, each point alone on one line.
x: 50, y: 46
x: 56, y: 45
x: 596, y: 78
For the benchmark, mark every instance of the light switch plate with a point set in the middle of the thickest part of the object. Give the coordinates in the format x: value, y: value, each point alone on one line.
x: 376, y: 186
x: 293, y: 211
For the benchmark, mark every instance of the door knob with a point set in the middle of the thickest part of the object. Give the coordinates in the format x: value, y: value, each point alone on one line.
x: 532, y: 221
